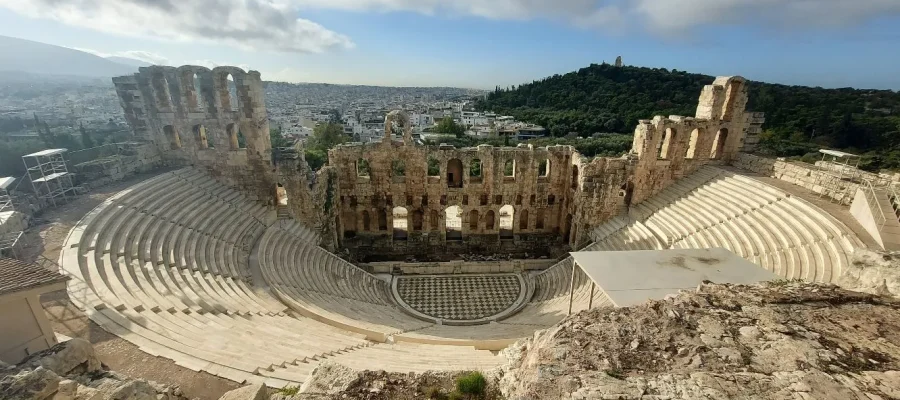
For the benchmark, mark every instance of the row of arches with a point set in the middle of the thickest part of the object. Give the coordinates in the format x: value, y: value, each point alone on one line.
x: 236, y: 139
x: 455, y: 170
x: 671, y: 136
x: 198, y: 84
x: 402, y: 221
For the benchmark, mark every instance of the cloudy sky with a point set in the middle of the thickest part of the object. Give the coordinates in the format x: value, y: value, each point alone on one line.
x: 482, y: 43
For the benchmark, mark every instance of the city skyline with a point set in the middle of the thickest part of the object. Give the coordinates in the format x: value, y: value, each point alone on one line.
x: 463, y: 43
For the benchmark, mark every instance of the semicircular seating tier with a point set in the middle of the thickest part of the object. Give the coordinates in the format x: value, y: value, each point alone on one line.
x: 784, y: 234
x: 165, y: 265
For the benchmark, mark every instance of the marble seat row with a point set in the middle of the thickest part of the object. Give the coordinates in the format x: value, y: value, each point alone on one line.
x: 758, y: 222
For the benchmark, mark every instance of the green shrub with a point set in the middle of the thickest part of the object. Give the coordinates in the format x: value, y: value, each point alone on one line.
x: 289, y: 390
x: 454, y: 396
x: 471, y: 383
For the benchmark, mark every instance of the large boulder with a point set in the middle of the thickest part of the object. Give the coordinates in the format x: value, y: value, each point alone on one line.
x: 329, y: 378
x: 873, y: 272
x: 74, y: 356
x: 251, y: 392
x: 29, y: 384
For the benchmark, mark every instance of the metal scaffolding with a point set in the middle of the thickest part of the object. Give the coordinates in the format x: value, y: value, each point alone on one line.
x: 49, y: 176
x: 6, y: 204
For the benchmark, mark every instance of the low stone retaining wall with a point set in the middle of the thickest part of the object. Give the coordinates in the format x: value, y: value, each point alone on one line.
x: 817, y: 179
x: 457, y: 267
x: 124, y: 160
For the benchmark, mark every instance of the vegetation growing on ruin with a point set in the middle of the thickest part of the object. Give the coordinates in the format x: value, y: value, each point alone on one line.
x: 324, y: 137
x: 449, y: 127
x: 799, y: 120
x: 607, y: 145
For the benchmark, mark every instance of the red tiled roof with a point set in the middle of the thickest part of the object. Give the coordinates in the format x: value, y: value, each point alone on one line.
x: 16, y: 276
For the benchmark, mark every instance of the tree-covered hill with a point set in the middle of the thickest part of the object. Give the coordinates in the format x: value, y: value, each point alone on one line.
x: 604, y: 98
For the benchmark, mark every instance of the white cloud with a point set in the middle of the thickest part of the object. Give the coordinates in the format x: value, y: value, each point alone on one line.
x: 246, y: 24
x: 212, y: 64
x: 660, y: 16
x: 140, y: 55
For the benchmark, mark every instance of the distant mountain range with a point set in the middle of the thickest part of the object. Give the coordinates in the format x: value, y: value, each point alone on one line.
x: 41, y: 58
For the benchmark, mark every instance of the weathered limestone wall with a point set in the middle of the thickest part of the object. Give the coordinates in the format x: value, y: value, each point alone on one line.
x: 804, y: 175
x: 458, y: 267
x: 115, y: 163
x: 311, y: 195
x: 187, y: 113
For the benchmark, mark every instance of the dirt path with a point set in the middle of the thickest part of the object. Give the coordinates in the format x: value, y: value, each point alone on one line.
x: 42, y: 243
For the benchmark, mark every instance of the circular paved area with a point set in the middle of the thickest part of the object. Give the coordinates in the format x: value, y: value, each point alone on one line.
x: 460, y: 297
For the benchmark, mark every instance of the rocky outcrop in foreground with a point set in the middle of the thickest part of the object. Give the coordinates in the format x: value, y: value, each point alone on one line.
x: 72, y: 371
x: 873, y: 272
x: 781, y: 340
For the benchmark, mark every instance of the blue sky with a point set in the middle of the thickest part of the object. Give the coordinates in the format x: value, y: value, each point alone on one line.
x: 476, y: 43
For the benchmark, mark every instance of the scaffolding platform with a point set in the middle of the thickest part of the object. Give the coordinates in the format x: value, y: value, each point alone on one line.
x: 8, y: 242
x: 49, y: 175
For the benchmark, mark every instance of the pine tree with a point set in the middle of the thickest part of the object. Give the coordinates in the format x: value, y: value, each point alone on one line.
x: 86, y: 139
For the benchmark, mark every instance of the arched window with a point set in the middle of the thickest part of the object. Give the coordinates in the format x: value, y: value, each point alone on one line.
x: 666, y: 143
x: 507, y: 213
x: 453, y: 222
x: 280, y: 195
x: 544, y: 168
x: 367, y: 222
x: 539, y: 220
x: 398, y: 168
x: 233, y: 99
x: 172, y: 136
x: 382, y: 220
x: 523, y: 220
x: 575, y: 177
x: 349, y: 220
x: 362, y: 168
x: 718, y: 147
x: 161, y: 90
x: 489, y: 220
x: 568, y: 229
x: 509, y: 168
x: 433, y: 220
x: 475, y: 170
x: 434, y: 167
x: 235, y: 137
x: 473, y: 220
x: 692, y: 144
x: 400, y: 223
x: 417, y: 220
x: 203, y: 141
x: 454, y: 173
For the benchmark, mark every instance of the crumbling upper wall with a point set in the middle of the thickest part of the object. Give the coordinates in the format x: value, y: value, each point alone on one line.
x: 188, y: 113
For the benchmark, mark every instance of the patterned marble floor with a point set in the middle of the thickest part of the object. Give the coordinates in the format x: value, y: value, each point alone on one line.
x: 459, y: 298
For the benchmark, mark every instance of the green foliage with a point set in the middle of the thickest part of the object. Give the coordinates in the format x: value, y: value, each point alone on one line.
x: 315, y: 158
x: 447, y: 126
x: 472, y: 383
x: 509, y: 168
x: 362, y: 167
x: 475, y: 168
x: 278, y: 140
x: 324, y: 137
x: 289, y: 390
x: 603, y: 98
x: 11, y: 155
x: 455, y: 396
x: 398, y: 168
x: 434, y: 168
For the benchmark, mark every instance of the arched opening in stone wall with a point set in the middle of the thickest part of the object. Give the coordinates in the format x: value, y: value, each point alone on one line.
x: 203, y: 141
x: 434, y: 220
x: 473, y: 220
x: 349, y: 221
x: 544, y: 168
x: 453, y: 222
x: 172, y: 137
x: 669, y: 138
x: 454, y: 173
x: 400, y: 223
x: 235, y: 137
x: 523, y: 220
x: 367, y: 221
x: 281, y: 197
x: 507, y: 213
x: 398, y: 168
x: 575, y: 177
x: 692, y: 144
x: 233, y: 98
x: 362, y: 168
x: 539, y: 219
x: 489, y: 220
x: 483, y: 199
x: 718, y: 147
x: 417, y: 220
x: 382, y: 220
x: 475, y: 170
x: 734, y: 89
x: 434, y: 167
x: 567, y: 229
x: 161, y: 90
x: 199, y: 100
x: 509, y: 168
x: 626, y: 191
x: 551, y: 200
